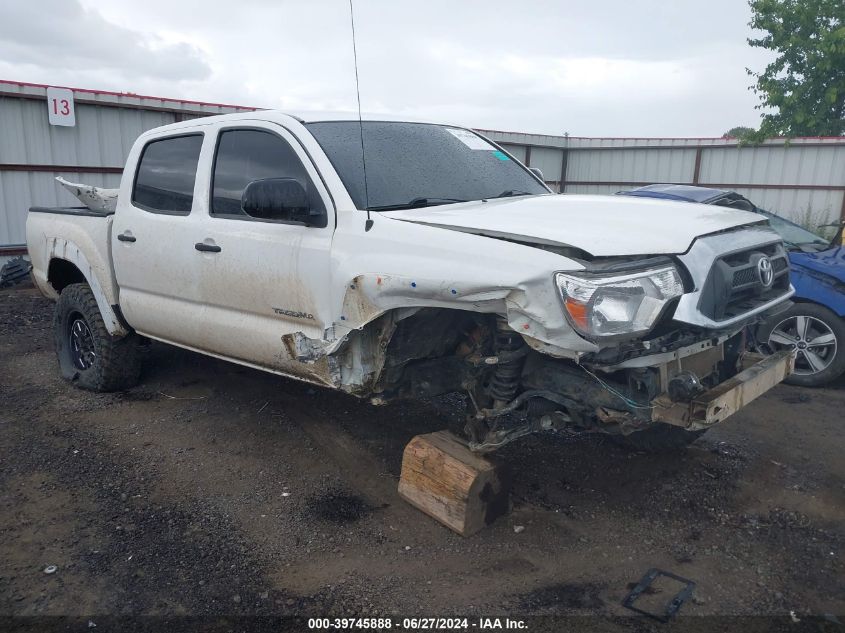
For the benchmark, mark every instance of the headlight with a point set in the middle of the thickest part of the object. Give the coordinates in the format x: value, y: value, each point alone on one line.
x: 600, y: 305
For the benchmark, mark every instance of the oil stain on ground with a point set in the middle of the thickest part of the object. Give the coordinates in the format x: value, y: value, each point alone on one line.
x: 562, y: 598
x: 338, y: 506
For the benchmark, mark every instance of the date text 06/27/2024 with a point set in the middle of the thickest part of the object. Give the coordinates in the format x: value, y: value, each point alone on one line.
x: 417, y: 624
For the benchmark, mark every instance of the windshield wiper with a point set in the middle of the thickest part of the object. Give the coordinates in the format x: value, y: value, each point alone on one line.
x: 417, y: 203
x: 507, y: 193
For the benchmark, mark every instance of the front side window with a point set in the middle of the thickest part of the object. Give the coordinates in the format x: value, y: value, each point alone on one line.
x: 244, y: 156
x: 419, y: 164
x: 164, y: 182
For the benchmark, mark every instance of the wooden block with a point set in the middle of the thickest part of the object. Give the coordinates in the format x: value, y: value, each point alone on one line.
x: 447, y: 481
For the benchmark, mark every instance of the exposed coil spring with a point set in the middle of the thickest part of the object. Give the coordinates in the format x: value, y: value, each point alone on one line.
x: 505, y: 380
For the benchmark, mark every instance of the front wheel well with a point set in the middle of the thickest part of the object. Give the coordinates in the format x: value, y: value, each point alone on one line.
x: 61, y: 273
x: 430, y: 346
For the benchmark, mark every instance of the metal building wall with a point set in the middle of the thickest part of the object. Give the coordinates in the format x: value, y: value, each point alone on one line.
x: 33, y: 152
x: 803, y: 179
x: 630, y: 165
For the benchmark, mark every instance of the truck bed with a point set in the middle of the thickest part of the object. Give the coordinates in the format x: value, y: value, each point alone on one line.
x: 80, y: 237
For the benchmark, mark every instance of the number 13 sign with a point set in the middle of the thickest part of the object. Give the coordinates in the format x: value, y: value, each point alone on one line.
x: 60, y: 107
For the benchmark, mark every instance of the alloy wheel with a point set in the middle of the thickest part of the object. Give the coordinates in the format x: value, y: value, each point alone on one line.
x: 813, y: 340
x: 81, y: 342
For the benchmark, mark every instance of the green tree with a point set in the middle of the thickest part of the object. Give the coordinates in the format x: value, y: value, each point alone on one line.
x: 805, y: 84
x: 740, y: 131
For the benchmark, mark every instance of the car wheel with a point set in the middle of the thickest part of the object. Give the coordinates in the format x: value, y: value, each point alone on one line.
x: 818, y: 337
x: 88, y: 355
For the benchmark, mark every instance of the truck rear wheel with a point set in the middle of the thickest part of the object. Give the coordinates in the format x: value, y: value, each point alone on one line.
x: 659, y: 438
x: 89, y: 356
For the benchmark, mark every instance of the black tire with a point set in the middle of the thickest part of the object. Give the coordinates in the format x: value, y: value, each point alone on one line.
x: 659, y: 438
x: 820, y: 321
x: 89, y: 356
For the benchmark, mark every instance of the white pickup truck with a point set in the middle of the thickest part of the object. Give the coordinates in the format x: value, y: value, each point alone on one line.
x: 395, y: 259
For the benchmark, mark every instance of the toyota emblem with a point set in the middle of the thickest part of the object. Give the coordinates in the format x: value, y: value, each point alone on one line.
x: 765, y: 271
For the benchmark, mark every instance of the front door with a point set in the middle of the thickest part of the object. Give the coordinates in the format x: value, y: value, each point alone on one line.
x: 266, y: 278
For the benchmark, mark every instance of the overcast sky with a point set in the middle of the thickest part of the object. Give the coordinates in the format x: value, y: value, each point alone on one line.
x: 601, y: 68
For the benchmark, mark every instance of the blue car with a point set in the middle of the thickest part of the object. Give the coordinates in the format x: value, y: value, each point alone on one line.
x: 815, y: 324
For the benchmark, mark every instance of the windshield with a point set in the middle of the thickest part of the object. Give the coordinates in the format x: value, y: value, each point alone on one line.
x: 419, y: 164
x: 793, y: 234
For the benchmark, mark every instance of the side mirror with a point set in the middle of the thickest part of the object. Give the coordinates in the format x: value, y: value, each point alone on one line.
x: 276, y: 199
x: 537, y: 173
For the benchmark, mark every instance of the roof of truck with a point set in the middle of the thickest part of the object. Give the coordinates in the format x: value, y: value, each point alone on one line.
x: 313, y: 116
x: 279, y: 116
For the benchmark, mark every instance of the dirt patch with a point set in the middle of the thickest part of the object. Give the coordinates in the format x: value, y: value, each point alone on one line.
x: 214, y: 489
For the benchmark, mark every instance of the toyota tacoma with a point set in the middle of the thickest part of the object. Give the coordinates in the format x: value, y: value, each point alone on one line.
x: 402, y: 259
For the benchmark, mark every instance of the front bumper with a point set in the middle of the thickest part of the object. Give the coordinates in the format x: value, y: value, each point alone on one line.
x: 723, y: 400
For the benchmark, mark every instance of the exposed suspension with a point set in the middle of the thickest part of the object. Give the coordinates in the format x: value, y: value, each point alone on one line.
x: 505, y: 380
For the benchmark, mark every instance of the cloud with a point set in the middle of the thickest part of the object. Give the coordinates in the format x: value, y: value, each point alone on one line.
x: 610, y: 68
x: 62, y: 35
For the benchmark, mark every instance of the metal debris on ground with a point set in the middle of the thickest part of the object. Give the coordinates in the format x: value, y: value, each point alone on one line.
x: 50, y: 569
x: 169, y: 397
x: 518, y: 528
x: 672, y: 606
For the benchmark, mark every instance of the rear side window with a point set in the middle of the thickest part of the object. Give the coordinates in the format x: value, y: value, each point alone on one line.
x: 166, y: 173
x: 247, y: 155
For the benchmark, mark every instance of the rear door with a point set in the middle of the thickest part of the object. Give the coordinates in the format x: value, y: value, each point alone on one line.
x: 153, y: 240
x: 270, y: 278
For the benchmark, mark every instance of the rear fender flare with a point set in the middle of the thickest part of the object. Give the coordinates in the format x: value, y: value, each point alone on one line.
x: 70, y: 252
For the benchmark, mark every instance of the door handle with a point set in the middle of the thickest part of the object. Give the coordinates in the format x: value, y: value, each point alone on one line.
x: 126, y: 237
x: 207, y: 248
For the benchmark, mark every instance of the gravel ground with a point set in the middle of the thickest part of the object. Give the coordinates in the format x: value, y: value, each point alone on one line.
x: 211, y: 489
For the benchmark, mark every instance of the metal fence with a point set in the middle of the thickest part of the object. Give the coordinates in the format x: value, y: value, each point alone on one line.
x: 802, y: 179
x: 33, y: 152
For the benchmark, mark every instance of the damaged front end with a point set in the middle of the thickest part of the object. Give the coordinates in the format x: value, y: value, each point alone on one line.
x: 692, y: 387
x: 671, y: 337
x: 612, y: 345
x: 685, y: 377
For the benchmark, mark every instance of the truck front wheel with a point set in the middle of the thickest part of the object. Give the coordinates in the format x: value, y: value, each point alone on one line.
x: 88, y: 355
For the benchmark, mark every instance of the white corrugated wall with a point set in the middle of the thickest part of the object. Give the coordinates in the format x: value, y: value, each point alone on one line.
x: 802, y: 179
x: 102, y: 138
x: 33, y: 152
